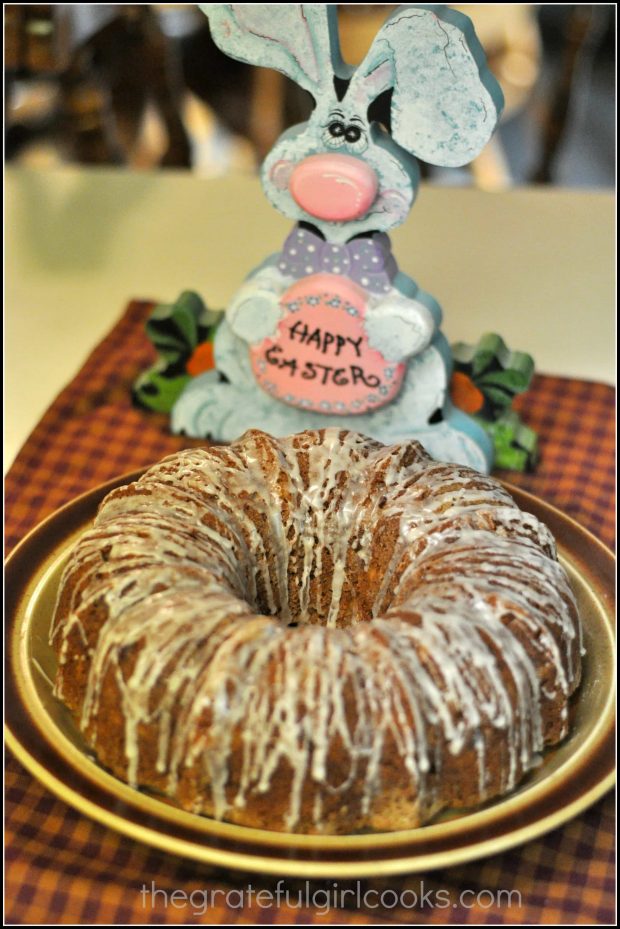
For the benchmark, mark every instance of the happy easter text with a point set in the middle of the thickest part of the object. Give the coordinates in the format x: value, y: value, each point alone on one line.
x: 326, y: 343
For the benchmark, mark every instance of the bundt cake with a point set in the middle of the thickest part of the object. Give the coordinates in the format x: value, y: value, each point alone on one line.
x: 317, y: 633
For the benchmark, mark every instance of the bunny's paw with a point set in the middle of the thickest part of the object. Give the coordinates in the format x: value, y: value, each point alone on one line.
x: 399, y: 328
x: 254, y: 315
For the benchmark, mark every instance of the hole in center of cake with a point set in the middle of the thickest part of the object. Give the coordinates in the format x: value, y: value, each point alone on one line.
x: 334, y: 584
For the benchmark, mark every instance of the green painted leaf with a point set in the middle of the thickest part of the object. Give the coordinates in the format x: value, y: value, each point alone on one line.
x: 498, y: 397
x: 515, y: 445
x: 512, y: 459
x: 481, y: 362
x: 176, y: 329
x: 528, y: 440
x: 463, y: 353
x: 172, y: 331
x: 489, y: 356
x: 514, y: 381
x: 157, y: 391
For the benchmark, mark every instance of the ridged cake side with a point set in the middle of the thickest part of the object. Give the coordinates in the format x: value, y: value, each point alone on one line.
x: 317, y: 633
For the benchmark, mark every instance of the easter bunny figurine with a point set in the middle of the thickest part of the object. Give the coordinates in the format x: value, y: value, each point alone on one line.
x: 329, y: 329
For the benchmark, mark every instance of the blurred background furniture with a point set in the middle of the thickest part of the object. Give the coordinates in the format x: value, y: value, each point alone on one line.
x: 144, y: 86
x: 102, y: 67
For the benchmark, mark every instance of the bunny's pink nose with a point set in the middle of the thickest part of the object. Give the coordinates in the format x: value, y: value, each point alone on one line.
x: 333, y: 187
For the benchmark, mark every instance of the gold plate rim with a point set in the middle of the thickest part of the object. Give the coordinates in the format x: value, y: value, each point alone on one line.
x: 82, y: 784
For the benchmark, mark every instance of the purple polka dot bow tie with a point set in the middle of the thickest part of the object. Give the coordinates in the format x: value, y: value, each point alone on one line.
x: 368, y: 261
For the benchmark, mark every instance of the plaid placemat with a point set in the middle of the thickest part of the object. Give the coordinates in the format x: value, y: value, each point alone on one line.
x: 63, y: 868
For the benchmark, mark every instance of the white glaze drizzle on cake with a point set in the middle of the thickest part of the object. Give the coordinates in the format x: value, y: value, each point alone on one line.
x: 468, y: 628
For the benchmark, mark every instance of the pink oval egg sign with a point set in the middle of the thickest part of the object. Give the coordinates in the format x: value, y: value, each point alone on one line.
x: 320, y: 358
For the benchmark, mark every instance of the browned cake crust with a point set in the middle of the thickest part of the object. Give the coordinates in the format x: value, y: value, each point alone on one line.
x: 317, y: 633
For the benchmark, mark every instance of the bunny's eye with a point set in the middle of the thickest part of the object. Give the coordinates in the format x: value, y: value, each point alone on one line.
x: 337, y: 129
x: 352, y: 134
x: 334, y: 133
x: 355, y: 138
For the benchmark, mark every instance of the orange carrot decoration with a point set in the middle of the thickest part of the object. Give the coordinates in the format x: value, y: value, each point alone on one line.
x: 465, y: 395
x: 201, y: 360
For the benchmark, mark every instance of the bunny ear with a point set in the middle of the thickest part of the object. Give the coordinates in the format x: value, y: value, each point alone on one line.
x: 299, y: 39
x: 446, y: 102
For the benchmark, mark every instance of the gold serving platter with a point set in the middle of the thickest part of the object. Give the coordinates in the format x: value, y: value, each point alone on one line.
x: 45, y: 739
